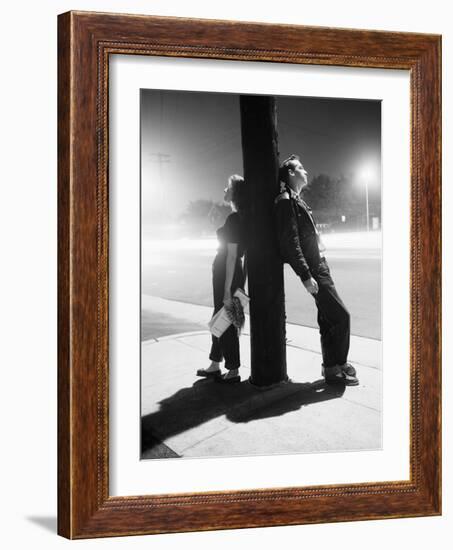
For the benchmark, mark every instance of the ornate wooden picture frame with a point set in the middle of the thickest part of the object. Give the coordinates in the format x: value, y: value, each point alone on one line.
x: 85, y: 42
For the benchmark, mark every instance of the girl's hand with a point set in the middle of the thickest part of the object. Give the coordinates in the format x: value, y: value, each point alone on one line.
x: 227, y: 299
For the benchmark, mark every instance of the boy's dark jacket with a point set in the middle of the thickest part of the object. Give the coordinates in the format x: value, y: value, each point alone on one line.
x: 298, y: 238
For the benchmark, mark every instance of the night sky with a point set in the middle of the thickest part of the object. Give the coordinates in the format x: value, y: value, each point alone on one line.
x: 191, y: 143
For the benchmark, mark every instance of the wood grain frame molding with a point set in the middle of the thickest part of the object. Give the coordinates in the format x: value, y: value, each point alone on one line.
x: 86, y: 41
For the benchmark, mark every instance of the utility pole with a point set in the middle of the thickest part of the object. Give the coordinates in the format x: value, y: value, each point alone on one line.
x: 160, y: 159
x: 367, y: 207
x: 264, y: 265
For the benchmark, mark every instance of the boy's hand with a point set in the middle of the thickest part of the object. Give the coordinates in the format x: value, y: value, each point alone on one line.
x: 312, y: 286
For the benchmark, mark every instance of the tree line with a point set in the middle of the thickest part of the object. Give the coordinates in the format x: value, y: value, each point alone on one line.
x: 337, y: 203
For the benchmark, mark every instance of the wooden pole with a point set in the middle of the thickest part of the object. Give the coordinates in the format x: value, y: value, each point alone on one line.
x: 264, y: 265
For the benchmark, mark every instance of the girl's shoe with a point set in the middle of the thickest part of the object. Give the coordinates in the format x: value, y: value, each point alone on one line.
x: 205, y: 373
x: 225, y: 379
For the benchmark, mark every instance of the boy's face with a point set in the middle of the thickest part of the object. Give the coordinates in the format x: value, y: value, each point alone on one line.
x: 298, y: 177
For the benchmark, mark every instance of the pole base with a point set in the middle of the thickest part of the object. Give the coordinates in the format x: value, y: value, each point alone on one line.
x: 287, y: 380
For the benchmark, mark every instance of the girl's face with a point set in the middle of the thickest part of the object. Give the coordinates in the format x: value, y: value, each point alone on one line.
x: 228, y: 193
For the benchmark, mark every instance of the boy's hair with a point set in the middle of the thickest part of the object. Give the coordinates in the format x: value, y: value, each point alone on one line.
x: 286, y: 166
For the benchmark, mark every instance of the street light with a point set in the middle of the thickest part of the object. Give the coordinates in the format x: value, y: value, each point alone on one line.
x: 366, y: 174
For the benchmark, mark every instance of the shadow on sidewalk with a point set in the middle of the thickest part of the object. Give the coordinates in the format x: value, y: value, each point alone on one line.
x: 206, y: 399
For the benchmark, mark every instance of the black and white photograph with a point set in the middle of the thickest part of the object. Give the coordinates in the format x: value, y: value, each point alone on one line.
x: 261, y: 275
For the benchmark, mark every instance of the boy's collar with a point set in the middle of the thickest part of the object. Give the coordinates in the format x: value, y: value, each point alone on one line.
x: 285, y: 187
x: 291, y: 192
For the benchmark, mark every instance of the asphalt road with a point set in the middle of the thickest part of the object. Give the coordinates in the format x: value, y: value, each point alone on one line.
x: 185, y: 275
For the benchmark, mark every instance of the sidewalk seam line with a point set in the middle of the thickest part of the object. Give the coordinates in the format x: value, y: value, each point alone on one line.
x: 361, y: 405
x: 189, y: 304
x: 188, y: 335
x: 205, y: 439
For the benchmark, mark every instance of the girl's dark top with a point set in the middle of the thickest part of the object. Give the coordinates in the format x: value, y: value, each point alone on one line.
x: 231, y: 232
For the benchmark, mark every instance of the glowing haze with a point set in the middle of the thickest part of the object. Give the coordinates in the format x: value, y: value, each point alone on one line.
x: 191, y: 143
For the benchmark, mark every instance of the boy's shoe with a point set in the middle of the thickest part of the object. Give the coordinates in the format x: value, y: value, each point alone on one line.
x: 349, y: 374
x: 332, y: 375
x: 340, y: 374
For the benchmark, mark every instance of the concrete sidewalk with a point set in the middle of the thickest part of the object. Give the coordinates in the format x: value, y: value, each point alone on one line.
x: 185, y: 416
